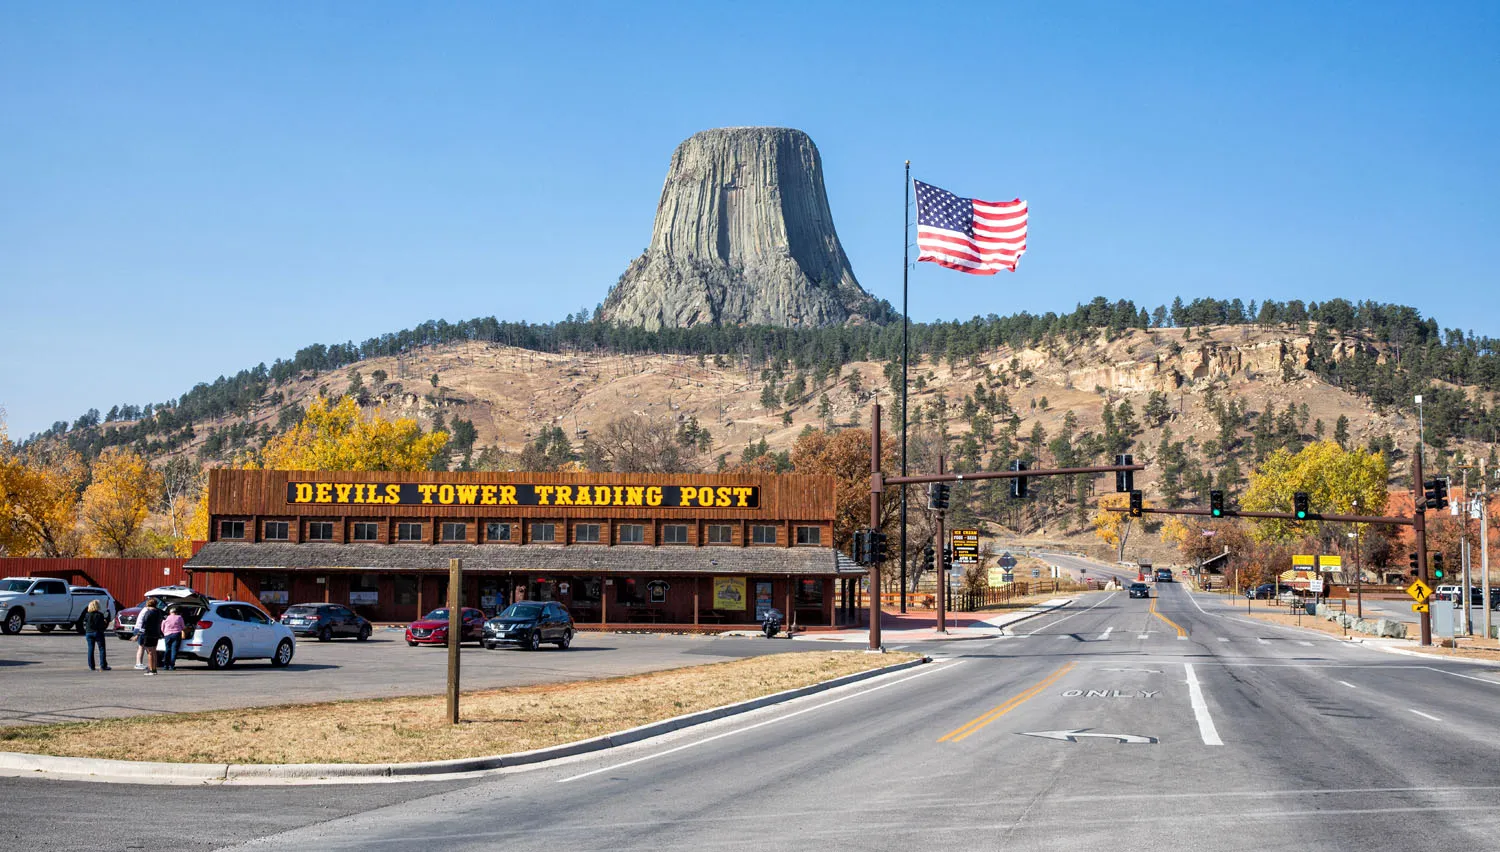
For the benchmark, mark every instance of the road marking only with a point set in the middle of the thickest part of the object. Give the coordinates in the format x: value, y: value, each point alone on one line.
x: 1181, y: 634
x: 1425, y: 715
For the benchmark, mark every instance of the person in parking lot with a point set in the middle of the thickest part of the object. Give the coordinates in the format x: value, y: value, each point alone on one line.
x: 172, y: 628
x: 140, y: 650
x: 150, y: 623
x: 95, y: 623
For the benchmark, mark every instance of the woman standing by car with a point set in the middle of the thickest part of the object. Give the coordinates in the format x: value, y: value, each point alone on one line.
x: 172, y: 628
x: 95, y: 623
x: 149, y: 621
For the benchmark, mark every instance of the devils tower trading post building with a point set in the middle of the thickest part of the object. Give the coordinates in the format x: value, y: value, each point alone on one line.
x: 702, y: 550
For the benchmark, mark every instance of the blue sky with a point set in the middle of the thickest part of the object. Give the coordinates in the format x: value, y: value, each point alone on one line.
x: 189, y: 189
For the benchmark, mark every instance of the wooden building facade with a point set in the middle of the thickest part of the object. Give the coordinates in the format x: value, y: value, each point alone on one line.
x: 706, y: 550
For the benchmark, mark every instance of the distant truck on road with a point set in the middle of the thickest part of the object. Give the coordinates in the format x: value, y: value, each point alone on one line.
x: 47, y: 603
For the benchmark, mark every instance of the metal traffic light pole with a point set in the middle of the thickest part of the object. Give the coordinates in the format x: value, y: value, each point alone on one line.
x: 1419, y: 526
x: 940, y: 551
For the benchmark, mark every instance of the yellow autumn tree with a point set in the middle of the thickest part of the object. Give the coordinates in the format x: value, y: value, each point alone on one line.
x: 39, y: 489
x: 1113, y: 527
x: 1337, y: 481
x: 339, y: 436
x: 117, y: 501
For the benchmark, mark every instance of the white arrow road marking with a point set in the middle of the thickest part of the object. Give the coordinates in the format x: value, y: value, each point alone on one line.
x: 1105, y: 634
x: 1072, y: 736
x: 1206, y: 727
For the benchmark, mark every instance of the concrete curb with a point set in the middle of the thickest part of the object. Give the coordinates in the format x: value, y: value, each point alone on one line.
x: 108, y: 771
x: 1437, y: 658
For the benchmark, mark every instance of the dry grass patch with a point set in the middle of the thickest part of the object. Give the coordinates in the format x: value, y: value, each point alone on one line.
x: 414, y: 729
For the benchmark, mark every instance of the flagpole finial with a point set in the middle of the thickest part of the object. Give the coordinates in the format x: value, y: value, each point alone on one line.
x: 908, y: 162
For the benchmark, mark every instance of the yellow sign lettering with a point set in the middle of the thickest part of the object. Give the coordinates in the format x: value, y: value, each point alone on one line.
x: 744, y: 494
x: 653, y: 495
x: 342, y: 491
x: 564, y: 495
x: 304, y: 492
x: 393, y: 494
x: 426, y: 490
x: 507, y: 495
x: 487, y: 495
x: 634, y: 495
x: 543, y: 494
x: 325, y: 492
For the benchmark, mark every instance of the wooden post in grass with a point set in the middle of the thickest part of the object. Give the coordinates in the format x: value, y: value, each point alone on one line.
x: 455, y: 633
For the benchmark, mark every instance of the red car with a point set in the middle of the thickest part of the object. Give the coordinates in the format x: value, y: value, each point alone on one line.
x: 432, y: 628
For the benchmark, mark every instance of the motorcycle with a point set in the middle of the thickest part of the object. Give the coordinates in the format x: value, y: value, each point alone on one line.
x: 771, y: 622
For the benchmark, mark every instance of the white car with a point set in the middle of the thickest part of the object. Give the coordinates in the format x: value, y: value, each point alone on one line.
x: 234, y: 630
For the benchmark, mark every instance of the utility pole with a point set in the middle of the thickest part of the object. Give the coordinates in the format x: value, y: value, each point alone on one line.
x: 877, y: 486
x: 1419, y: 526
x: 905, y: 324
x: 455, y: 633
x: 1484, y: 543
x: 942, y: 566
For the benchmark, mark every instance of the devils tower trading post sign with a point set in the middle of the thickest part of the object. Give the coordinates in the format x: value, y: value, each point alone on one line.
x: 452, y: 494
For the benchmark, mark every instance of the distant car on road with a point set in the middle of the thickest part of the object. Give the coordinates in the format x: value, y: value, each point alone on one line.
x: 432, y: 628
x: 1265, y: 591
x: 1164, y: 575
x: 529, y: 624
x: 326, y: 621
x: 1140, y: 590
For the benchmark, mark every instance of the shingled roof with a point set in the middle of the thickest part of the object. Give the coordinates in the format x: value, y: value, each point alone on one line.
x: 577, y: 558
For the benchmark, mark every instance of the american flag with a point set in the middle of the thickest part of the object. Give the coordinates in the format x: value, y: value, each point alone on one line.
x: 980, y: 237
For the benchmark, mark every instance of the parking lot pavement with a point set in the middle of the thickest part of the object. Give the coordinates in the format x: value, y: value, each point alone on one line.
x: 46, y: 676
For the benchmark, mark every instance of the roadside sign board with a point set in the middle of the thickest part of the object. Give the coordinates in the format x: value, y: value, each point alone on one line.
x: 1419, y: 591
x: 998, y: 576
x: 1304, y: 559
x: 1315, y: 585
x: 1036, y: 572
x: 1330, y: 561
x: 1006, y: 560
x: 1420, y: 607
x: 965, y: 546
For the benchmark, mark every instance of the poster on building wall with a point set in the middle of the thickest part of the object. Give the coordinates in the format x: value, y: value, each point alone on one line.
x: 729, y: 593
x: 364, y: 598
x: 273, y: 597
x: 762, y: 600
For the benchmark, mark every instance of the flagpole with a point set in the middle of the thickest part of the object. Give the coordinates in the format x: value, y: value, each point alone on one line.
x: 905, y: 324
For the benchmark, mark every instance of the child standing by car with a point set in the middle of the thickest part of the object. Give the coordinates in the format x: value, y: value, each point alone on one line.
x: 172, y: 628
x: 95, y: 623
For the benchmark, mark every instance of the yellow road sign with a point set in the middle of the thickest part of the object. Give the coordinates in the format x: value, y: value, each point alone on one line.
x: 1419, y: 591
x: 1304, y: 559
x: 1419, y: 607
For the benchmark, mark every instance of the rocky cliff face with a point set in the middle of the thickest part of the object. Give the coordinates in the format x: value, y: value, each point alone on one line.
x: 743, y: 236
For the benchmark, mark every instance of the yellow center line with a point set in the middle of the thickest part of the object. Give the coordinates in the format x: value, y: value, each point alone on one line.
x: 1180, y: 631
x: 969, y: 728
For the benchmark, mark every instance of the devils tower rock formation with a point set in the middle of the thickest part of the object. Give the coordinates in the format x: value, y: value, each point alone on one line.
x: 743, y: 236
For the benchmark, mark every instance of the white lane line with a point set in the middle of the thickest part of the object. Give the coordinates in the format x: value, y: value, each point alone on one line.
x: 1105, y: 634
x: 1425, y: 715
x: 1262, y: 640
x: 793, y: 714
x: 1300, y: 642
x: 1066, y: 617
x: 1348, y: 684
x: 1200, y: 708
x: 1223, y: 638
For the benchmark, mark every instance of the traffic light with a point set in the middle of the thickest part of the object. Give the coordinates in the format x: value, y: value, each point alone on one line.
x: 1416, y: 565
x: 937, y: 495
x: 1124, y: 479
x: 859, y: 555
x: 1216, y: 503
x: 1437, y: 567
x: 1018, y: 484
x: 929, y: 558
x: 875, y: 548
x: 1436, y: 495
x: 1135, y: 504
x: 1299, y: 505
x: 948, y: 554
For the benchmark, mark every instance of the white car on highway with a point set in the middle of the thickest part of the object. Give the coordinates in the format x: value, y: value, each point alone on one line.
x: 233, y: 630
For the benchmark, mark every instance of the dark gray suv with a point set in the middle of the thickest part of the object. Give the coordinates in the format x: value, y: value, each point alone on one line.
x: 530, y: 624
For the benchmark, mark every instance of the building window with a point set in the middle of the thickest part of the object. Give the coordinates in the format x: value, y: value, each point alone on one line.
x: 320, y: 530
x: 409, y: 531
x: 809, y: 535
x: 720, y: 534
x: 763, y: 534
x: 586, y: 533
x: 231, y: 529
x: 674, y: 534
x: 544, y: 532
x: 809, y: 592
x: 406, y: 589
x: 276, y: 531
x: 366, y: 531
x: 495, y: 531
x: 632, y: 533
x: 455, y: 531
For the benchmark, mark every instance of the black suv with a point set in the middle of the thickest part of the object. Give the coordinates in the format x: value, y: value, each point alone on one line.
x: 325, y: 621
x: 529, y: 624
x: 1265, y: 591
x: 1140, y: 590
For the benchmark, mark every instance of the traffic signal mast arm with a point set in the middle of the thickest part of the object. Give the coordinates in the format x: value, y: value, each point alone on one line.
x: 1285, y: 516
x: 1005, y: 474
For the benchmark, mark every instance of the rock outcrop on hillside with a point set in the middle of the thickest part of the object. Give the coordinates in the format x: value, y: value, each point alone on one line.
x: 743, y: 236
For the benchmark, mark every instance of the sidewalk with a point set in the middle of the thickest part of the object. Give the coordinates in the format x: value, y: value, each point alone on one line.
x: 920, y: 626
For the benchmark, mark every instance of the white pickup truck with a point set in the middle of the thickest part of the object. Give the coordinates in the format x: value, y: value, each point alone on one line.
x: 47, y: 603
